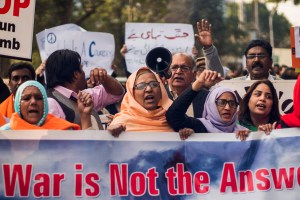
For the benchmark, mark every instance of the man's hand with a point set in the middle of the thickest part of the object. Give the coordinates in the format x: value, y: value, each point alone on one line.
x: 206, y: 79
x: 98, y: 76
x: 123, y: 50
x: 40, y: 70
x: 85, y: 103
x: 204, y: 33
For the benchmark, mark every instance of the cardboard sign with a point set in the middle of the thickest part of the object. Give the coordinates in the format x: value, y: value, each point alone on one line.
x: 140, y: 38
x: 41, y: 36
x: 16, y: 33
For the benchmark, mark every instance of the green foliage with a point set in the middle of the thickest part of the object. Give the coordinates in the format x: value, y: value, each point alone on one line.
x: 213, y: 12
x: 111, y: 15
x: 281, y: 26
x: 296, y: 2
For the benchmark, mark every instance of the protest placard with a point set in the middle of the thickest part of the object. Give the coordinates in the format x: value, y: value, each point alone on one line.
x: 41, y: 36
x: 140, y: 38
x: 95, y: 48
x: 17, y: 22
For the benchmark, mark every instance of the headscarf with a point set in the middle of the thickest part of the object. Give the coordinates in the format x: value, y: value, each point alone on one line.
x: 211, y: 118
x: 47, y: 121
x: 136, y: 117
x: 293, y: 119
x: 17, y: 104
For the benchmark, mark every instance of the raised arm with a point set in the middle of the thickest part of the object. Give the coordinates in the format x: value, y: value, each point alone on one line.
x: 176, y: 113
x: 204, y: 36
x: 99, y: 76
x: 85, y: 107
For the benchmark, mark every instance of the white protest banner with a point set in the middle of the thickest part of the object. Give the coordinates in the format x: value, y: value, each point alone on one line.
x: 149, y: 165
x: 96, y: 49
x: 41, y: 36
x: 16, y: 33
x: 140, y: 38
x: 284, y: 88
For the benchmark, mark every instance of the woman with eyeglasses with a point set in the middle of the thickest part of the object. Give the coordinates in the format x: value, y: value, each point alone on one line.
x: 220, y: 109
x: 144, y: 105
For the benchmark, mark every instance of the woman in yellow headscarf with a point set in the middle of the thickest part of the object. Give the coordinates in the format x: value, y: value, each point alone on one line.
x: 144, y: 105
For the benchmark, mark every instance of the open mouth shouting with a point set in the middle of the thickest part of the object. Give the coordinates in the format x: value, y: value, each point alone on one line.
x: 260, y: 106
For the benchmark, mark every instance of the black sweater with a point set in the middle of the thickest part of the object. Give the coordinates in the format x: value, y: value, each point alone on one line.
x: 176, y: 113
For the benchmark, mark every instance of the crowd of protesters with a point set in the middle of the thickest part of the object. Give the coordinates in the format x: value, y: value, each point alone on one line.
x: 188, y: 102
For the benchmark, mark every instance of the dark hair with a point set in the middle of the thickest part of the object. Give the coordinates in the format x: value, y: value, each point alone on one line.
x: 60, y: 67
x: 289, y: 74
x: 21, y: 65
x: 244, y: 111
x: 262, y: 43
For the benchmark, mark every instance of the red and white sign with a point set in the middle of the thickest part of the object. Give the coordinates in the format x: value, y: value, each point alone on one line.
x: 16, y: 33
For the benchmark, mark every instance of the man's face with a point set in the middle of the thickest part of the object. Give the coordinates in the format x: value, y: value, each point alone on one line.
x: 200, y: 66
x: 181, y: 69
x: 81, y: 82
x: 18, y: 77
x: 258, y: 63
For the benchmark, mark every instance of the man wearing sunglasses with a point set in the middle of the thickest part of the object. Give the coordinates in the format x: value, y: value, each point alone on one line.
x: 258, y: 61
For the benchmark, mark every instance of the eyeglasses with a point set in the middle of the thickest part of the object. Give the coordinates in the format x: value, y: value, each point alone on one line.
x: 143, y: 85
x: 224, y: 102
x: 253, y: 56
x: 183, y: 68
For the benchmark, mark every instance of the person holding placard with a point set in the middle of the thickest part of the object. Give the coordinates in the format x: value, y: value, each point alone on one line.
x: 259, y: 105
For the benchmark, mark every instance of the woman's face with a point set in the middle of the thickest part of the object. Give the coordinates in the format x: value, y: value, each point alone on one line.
x: 149, y: 96
x: 226, y: 105
x: 261, y: 101
x: 32, y: 105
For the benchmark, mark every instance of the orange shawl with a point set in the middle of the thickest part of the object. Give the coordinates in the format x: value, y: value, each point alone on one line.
x: 51, y: 123
x: 136, y: 117
x: 2, y: 120
x: 7, y: 107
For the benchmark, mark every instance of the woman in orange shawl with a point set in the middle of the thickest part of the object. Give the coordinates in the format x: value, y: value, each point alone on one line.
x: 31, y: 108
x: 144, y: 105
